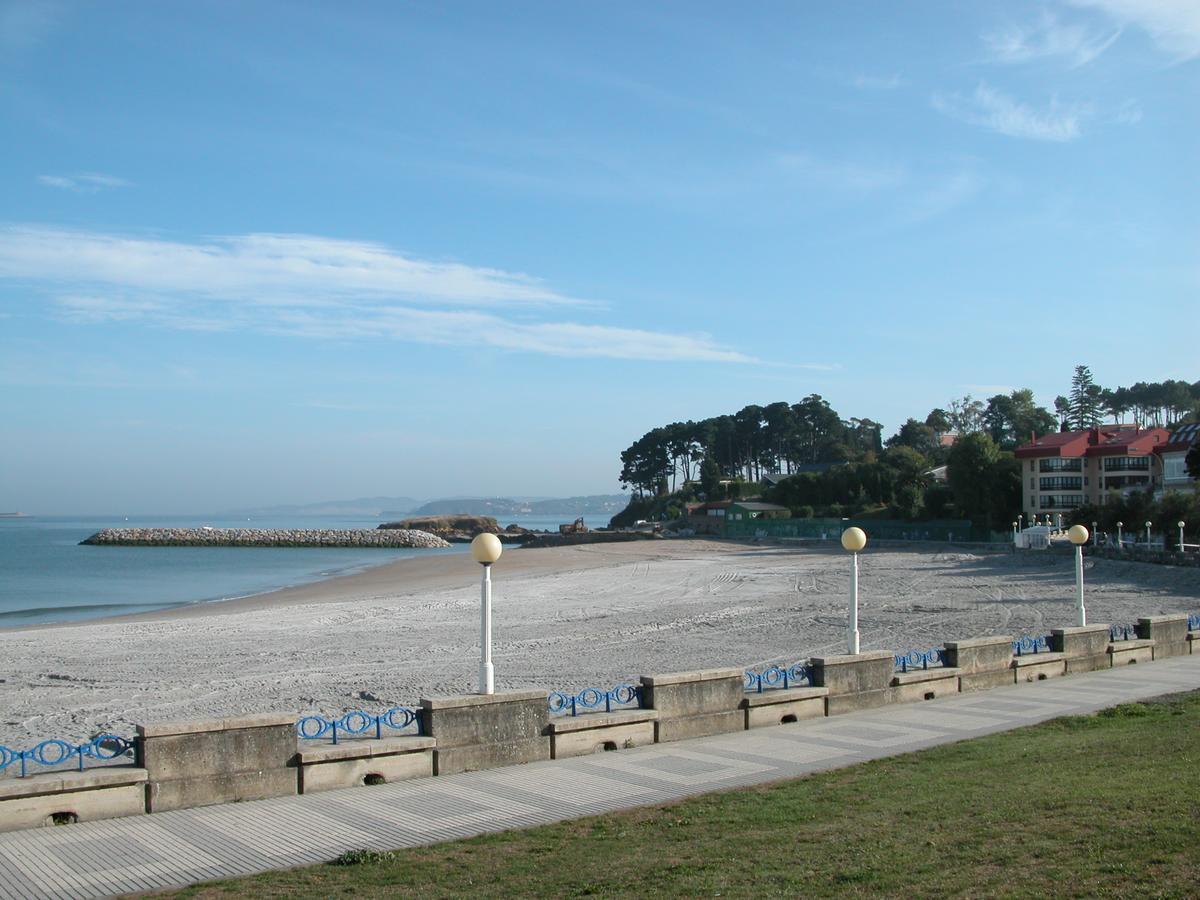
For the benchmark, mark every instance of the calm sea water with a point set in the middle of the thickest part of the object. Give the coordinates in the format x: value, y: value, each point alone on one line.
x: 45, y: 576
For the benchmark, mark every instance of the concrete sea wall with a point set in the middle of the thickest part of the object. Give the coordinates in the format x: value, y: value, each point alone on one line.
x: 202, y: 763
x: 264, y: 537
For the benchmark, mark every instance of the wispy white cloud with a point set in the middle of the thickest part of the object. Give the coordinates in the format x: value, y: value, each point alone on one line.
x: 262, y: 269
x: 991, y: 109
x: 84, y: 183
x: 1174, y: 25
x: 315, y: 287
x: 1049, y: 38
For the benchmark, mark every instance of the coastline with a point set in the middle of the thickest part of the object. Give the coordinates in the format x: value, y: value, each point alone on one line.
x: 563, y: 618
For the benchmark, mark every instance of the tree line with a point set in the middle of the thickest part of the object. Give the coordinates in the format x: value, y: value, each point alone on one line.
x: 727, y: 455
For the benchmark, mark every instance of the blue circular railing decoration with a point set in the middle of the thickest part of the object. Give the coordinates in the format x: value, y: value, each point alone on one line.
x: 593, y: 698
x: 778, y: 677
x: 55, y: 752
x: 356, y: 722
x: 917, y: 659
x: 1122, y: 632
x: 1026, y: 644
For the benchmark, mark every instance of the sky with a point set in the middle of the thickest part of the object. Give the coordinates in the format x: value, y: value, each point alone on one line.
x: 256, y: 253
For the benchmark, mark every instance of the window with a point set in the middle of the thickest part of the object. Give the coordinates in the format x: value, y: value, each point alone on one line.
x: 1174, y: 468
x: 1127, y: 464
x: 1068, y: 482
x: 1061, y: 465
x: 1061, y: 501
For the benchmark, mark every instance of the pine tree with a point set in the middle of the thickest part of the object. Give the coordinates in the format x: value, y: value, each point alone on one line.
x: 1084, y: 405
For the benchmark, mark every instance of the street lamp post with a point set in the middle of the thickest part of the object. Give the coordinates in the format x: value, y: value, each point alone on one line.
x: 1180, y: 524
x: 1078, y: 536
x: 1095, y: 534
x: 486, y: 549
x: 1148, y: 524
x: 853, y: 539
x: 1014, y: 532
x: 1120, y: 525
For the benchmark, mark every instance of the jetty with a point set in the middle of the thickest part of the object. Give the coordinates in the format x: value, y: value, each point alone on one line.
x: 265, y: 537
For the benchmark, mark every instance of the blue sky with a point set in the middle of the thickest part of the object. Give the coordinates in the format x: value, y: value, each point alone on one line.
x: 257, y: 253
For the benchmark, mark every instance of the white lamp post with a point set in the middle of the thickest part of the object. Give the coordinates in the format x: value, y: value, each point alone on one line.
x: 1021, y: 521
x: 486, y: 549
x: 1180, y: 524
x: 1078, y: 536
x: 1120, y: 525
x: 1014, y: 532
x: 1148, y: 524
x: 853, y: 539
x: 1095, y: 534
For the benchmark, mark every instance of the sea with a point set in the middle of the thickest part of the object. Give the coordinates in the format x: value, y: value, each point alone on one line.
x: 47, y: 576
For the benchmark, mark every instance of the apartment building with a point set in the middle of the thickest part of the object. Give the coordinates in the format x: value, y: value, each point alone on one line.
x: 1062, y: 471
x: 1174, y: 453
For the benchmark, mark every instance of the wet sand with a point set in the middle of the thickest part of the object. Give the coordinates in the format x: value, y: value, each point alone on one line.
x: 567, y: 617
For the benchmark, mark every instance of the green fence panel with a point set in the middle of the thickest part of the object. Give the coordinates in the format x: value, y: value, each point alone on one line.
x: 954, y: 530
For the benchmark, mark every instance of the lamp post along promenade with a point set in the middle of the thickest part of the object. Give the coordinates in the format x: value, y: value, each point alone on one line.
x: 853, y: 539
x: 1078, y: 535
x: 486, y: 549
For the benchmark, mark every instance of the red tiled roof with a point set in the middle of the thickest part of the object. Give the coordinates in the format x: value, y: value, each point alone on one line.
x: 1096, y: 442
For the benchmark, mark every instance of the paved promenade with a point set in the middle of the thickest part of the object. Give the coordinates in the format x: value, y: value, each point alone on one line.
x: 97, y: 859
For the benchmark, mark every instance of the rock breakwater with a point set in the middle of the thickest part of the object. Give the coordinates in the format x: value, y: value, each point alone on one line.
x: 264, y: 537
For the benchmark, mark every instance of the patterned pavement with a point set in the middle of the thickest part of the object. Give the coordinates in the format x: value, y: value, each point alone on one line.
x: 145, y: 853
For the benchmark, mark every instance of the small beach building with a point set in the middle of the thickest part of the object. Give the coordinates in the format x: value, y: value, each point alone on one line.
x: 740, y: 510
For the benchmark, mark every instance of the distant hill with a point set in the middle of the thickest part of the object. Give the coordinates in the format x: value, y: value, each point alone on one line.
x: 364, y: 506
x: 604, y: 505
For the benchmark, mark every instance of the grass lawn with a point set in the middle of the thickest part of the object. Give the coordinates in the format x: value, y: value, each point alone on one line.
x: 1104, y: 805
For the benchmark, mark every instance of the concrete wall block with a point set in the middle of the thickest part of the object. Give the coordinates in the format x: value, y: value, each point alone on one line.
x: 450, y: 760
x: 1086, y: 640
x: 683, y: 727
x: 988, y: 654
x: 597, y: 740
x: 474, y: 719
x: 1040, y: 666
x: 1163, y: 629
x: 483, y: 731
x: 837, y: 704
x: 985, y: 681
x: 1165, y: 650
x: 1124, y: 653
x: 37, y: 811
x: 693, y: 693
x: 925, y: 689
x: 1078, y: 664
x: 786, y: 712
x: 343, y: 773
x: 231, y: 787
x: 216, y: 747
x: 854, y: 674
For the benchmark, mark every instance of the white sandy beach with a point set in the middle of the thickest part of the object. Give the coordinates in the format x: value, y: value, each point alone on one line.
x: 564, y: 618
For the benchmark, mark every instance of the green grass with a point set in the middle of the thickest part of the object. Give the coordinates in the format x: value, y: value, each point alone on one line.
x: 1104, y: 805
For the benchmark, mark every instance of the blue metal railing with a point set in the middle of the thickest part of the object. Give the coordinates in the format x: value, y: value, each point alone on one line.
x: 56, y: 752
x: 778, y: 677
x: 357, y: 722
x: 915, y: 660
x: 1025, y: 644
x: 623, y: 695
x: 1122, y: 632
